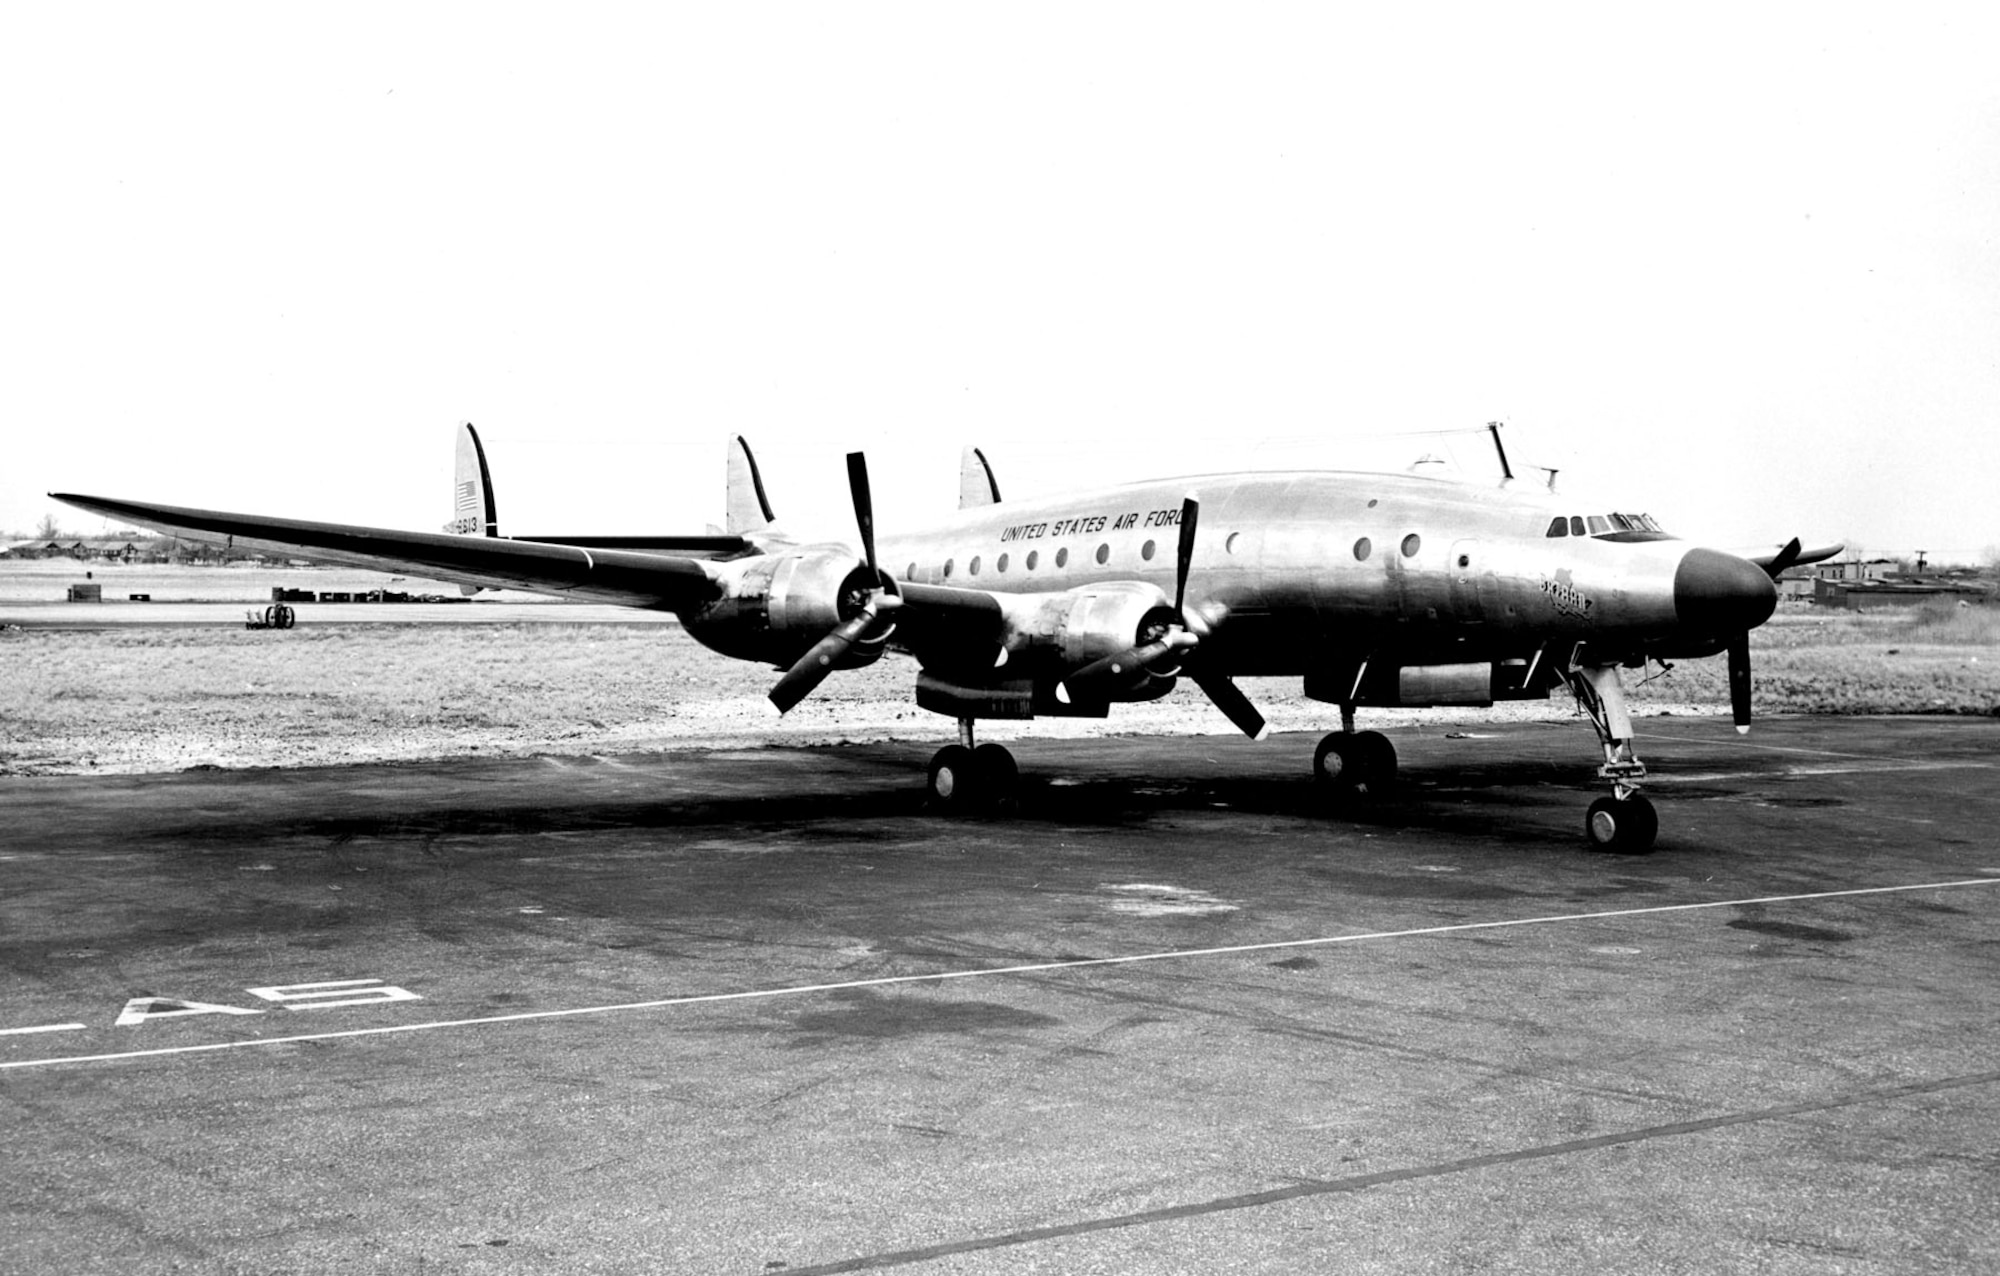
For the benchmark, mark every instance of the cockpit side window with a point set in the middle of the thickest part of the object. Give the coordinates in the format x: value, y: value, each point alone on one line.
x: 1560, y: 527
x: 1599, y: 525
x: 1575, y: 526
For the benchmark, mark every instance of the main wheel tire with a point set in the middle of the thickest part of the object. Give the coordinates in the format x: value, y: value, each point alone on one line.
x: 1375, y: 759
x: 995, y: 774
x: 1624, y: 826
x: 954, y: 777
x: 1337, y: 765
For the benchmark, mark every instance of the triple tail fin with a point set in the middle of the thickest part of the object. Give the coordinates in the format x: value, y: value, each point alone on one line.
x: 474, y: 512
x: 472, y: 509
x: 976, y: 484
x: 748, y: 509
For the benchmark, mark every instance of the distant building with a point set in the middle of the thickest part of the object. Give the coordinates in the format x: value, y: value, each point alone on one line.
x: 1876, y: 592
x: 1803, y: 582
x: 100, y: 549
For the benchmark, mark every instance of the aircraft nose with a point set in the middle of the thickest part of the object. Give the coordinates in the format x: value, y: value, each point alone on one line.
x: 1717, y: 593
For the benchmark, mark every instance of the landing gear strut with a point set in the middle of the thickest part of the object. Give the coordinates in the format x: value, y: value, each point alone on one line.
x: 1348, y: 762
x: 1625, y: 822
x: 965, y: 777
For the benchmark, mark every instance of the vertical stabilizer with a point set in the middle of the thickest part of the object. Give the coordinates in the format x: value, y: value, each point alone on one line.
x: 472, y: 508
x: 976, y: 485
x: 749, y: 510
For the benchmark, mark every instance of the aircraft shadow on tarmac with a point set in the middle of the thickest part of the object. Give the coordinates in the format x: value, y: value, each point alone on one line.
x: 1503, y: 802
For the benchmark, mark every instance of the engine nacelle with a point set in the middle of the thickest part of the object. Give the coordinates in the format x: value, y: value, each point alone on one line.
x: 775, y: 607
x: 1079, y: 627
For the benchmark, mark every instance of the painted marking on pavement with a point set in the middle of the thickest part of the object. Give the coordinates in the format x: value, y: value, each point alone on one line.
x: 46, y: 1027
x: 1031, y: 968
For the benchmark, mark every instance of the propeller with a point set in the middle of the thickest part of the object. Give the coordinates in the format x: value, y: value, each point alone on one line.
x: 1739, y: 645
x: 811, y: 669
x: 1785, y: 558
x: 1739, y: 681
x: 1218, y: 687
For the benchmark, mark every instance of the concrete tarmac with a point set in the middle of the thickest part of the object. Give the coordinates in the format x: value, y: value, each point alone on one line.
x: 761, y: 1011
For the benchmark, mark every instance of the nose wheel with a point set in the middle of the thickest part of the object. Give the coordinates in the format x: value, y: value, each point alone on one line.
x: 1622, y: 826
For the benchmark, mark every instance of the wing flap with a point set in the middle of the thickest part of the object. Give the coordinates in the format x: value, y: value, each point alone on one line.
x: 631, y: 578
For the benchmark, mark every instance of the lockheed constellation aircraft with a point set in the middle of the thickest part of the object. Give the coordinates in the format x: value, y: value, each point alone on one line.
x: 1374, y: 588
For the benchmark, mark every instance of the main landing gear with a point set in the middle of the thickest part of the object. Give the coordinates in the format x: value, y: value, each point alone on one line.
x: 965, y: 777
x: 1349, y: 763
x: 1625, y: 822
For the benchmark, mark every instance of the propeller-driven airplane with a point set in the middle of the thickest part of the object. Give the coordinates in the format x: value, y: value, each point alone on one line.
x: 1376, y: 589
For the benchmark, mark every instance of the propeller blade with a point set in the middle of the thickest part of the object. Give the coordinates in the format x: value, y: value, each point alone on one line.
x: 804, y: 677
x: 1739, y: 680
x: 1786, y: 557
x: 864, y: 505
x: 1190, y: 512
x: 1236, y: 706
x: 1121, y: 662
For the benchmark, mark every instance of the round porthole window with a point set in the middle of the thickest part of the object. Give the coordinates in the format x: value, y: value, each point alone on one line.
x: 1062, y: 557
x: 1229, y: 546
x: 1000, y: 563
x: 1034, y: 556
x: 1411, y: 544
x: 1362, y: 549
x: 947, y: 564
x: 972, y: 568
x: 1465, y: 560
x: 1103, y: 553
x: 912, y: 575
x: 1146, y: 551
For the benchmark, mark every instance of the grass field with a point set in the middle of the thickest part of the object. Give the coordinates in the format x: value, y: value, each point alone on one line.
x: 152, y: 699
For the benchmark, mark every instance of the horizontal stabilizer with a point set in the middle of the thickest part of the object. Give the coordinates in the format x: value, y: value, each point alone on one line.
x: 688, y: 546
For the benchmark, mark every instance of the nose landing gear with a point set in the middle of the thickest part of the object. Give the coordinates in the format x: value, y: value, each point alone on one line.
x: 1625, y: 822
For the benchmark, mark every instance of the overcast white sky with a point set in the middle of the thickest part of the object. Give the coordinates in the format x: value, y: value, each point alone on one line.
x: 1735, y: 265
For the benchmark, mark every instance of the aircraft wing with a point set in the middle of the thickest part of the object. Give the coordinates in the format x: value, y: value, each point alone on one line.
x: 658, y: 581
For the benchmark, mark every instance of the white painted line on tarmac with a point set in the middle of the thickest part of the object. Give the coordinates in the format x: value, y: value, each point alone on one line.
x: 45, y: 1027
x: 1032, y: 968
x: 1873, y: 768
x: 1767, y: 747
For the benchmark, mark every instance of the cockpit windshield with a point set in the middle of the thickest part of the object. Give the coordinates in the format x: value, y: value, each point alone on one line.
x: 1610, y: 527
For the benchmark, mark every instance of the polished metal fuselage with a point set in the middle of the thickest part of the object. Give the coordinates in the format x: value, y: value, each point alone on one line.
x: 1293, y: 571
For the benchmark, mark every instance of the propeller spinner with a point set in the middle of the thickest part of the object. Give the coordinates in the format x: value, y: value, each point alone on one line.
x: 878, y: 600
